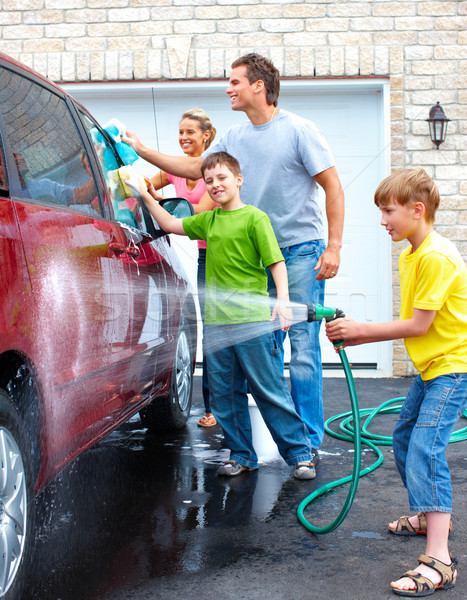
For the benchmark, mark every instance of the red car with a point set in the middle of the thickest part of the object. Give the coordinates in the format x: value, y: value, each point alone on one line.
x: 97, y: 320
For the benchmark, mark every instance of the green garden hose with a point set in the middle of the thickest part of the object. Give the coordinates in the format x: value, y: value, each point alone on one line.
x: 356, y: 465
x: 357, y: 435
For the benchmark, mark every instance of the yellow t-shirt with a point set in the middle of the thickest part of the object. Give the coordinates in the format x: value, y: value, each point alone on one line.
x: 434, y: 277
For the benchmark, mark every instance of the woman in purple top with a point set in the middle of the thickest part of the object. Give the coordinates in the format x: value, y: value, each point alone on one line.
x: 195, y: 135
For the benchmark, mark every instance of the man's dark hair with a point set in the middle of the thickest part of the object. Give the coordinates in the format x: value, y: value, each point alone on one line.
x: 221, y: 158
x: 259, y: 67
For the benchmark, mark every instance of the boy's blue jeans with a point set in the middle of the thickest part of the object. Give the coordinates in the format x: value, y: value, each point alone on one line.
x: 427, y: 419
x: 305, y: 368
x: 258, y: 362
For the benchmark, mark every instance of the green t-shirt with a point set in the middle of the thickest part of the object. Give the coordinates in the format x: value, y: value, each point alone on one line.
x: 240, y: 244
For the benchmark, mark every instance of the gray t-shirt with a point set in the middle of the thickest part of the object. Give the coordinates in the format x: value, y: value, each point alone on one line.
x: 39, y: 188
x: 278, y: 161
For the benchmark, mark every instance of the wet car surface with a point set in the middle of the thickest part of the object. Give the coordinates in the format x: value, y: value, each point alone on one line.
x: 145, y: 516
x: 97, y: 318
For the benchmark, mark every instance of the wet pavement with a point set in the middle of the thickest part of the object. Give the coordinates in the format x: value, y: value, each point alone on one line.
x: 144, y: 516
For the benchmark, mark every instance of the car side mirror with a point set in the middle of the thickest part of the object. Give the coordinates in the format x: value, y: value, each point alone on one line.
x: 178, y: 207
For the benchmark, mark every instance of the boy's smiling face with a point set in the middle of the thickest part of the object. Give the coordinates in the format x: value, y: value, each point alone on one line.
x: 398, y: 220
x: 223, y: 186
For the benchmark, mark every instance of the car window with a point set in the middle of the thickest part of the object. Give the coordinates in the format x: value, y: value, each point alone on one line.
x: 48, y: 151
x: 126, y: 206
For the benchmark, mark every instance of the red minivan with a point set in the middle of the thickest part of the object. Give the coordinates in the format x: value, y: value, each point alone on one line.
x: 97, y: 319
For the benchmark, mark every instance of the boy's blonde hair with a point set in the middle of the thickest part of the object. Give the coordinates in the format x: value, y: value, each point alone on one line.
x: 221, y: 158
x: 409, y: 186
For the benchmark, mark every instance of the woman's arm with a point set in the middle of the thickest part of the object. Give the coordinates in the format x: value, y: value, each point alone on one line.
x: 181, y: 166
x: 159, y: 180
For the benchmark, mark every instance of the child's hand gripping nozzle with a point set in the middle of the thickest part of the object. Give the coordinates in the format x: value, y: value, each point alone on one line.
x: 316, y: 312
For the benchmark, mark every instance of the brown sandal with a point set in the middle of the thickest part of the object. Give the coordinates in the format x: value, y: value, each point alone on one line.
x: 404, y: 527
x: 209, y: 420
x: 424, y: 586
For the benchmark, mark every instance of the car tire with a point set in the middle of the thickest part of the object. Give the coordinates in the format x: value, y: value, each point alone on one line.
x: 16, y: 502
x: 171, y: 412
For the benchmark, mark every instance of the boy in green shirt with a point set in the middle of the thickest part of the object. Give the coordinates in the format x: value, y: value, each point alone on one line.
x: 240, y: 244
x: 433, y: 323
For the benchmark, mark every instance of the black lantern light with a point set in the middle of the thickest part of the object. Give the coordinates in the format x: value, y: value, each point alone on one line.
x: 438, y: 123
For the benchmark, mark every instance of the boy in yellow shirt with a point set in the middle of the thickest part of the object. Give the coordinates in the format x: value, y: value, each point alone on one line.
x: 433, y: 323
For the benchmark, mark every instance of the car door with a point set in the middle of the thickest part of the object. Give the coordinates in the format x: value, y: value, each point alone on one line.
x: 146, y: 254
x: 79, y: 268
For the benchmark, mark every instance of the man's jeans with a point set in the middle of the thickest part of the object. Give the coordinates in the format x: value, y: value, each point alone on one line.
x: 305, y: 369
x: 258, y: 362
x: 427, y: 419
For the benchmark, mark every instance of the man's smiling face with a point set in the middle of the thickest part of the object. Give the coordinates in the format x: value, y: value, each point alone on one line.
x: 240, y: 91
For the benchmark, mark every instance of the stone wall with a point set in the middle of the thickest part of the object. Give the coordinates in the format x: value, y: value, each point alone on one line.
x: 420, y: 45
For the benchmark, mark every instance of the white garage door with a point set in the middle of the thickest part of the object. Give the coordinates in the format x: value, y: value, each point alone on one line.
x: 354, y: 118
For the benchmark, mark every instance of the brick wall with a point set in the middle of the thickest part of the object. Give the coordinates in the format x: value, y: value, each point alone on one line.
x: 420, y: 45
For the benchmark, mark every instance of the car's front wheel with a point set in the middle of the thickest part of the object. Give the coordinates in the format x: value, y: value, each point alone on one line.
x: 171, y: 412
x: 16, y: 501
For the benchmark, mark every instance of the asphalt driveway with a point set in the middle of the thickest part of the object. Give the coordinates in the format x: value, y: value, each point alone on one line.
x: 146, y: 517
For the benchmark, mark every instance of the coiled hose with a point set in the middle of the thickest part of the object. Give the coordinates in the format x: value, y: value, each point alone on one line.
x: 357, y: 435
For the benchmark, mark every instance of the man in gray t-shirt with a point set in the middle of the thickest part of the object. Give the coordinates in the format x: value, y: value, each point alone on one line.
x: 284, y: 159
x: 279, y: 176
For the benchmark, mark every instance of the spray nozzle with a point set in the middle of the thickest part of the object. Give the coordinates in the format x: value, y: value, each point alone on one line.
x: 316, y: 312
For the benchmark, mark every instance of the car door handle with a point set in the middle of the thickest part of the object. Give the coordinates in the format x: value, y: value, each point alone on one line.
x: 117, y: 247
x: 133, y: 251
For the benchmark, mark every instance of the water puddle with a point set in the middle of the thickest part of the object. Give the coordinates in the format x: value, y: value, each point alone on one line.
x: 368, y: 535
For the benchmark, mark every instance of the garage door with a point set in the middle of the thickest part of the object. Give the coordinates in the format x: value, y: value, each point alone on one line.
x: 354, y: 118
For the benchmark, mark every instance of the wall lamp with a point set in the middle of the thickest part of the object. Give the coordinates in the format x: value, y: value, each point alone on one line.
x: 438, y: 123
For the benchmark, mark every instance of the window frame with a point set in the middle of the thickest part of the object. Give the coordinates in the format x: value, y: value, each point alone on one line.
x: 74, y: 109
x: 13, y: 176
x: 15, y: 188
